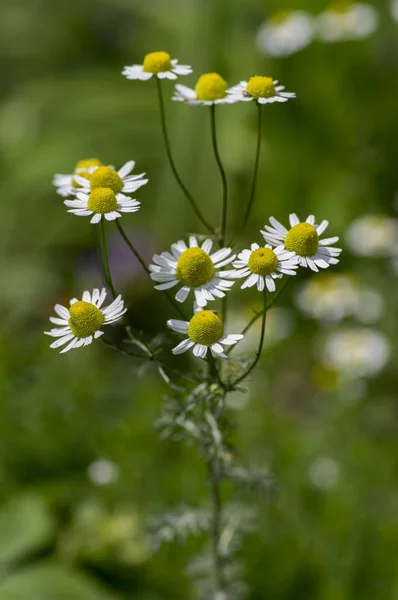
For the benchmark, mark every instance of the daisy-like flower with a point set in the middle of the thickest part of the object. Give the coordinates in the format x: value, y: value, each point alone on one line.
x: 66, y: 185
x: 82, y: 321
x: 204, y: 330
x: 345, y: 20
x: 210, y: 89
x: 107, y: 177
x: 304, y: 240
x: 195, y: 268
x: 158, y: 64
x: 101, y: 202
x: 262, y: 89
x: 285, y: 33
x: 261, y: 266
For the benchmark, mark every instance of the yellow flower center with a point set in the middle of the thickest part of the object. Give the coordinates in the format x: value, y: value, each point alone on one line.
x: 263, y: 261
x: 157, y: 62
x: 302, y: 239
x: 195, y: 267
x: 102, y: 200
x: 105, y: 177
x: 85, y: 319
x: 211, y: 86
x: 82, y: 167
x: 260, y: 87
x: 205, y: 328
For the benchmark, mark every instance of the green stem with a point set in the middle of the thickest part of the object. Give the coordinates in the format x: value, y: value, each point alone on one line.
x: 146, y: 269
x: 218, y: 584
x: 110, y: 344
x: 107, y: 270
x: 171, y: 160
x: 222, y: 173
x: 255, y: 172
x: 271, y: 303
x: 260, y: 346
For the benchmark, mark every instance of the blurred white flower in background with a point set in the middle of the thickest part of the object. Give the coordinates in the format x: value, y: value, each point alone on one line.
x: 373, y: 235
x: 394, y: 10
x: 103, y: 472
x: 344, y: 21
x: 331, y: 297
x: 357, y: 352
x: 285, y: 33
x: 324, y: 472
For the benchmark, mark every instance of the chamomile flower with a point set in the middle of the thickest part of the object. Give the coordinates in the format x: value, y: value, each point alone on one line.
x: 107, y: 177
x: 261, y: 266
x: 82, y: 321
x: 101, y: 202
x: 210, y: 89
x: 285, y: 33
x: 345, y: 20
x: 263, y: 90
x: 204, y: 330
x: 157, y: 64
x: 304, y: 240
x: 194, y: 268
x: 66, y: 185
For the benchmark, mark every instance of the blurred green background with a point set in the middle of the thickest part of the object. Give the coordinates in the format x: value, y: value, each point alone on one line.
x: 82, y: 466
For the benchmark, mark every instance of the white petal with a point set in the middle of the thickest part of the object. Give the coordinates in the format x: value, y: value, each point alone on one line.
x: 207, y: 246
x: 179, y: 326
x: 219, y: 350
x: 250, y: 281
x: 166, y: 286
x: 62, y: 311
x: 126, y: 169
x: 270, y: 283
x: 96, y: 218
x: 200, y: 350
x: 182, y: 294
x: 278, y: 226
x: 322, y: 227
x: 193, y: 242
x: 183, y: 346
x: 293, y: 220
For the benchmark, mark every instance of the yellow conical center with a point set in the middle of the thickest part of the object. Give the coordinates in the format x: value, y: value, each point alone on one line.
x: 263, y: 261
x: 260, y: 87
x: 211, y: 86
x: 157, y: 62
x: 195, y: 267
x: 302, y: 239
x: 102, y: 200
x: 85, y: 319
x: 105, y: 177
x: 205, y: 328
x: 87, y: 163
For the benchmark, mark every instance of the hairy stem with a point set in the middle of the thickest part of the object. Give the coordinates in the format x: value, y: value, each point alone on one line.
x: 171, y: 160
x: 107, y: 270
x: 222, y: 173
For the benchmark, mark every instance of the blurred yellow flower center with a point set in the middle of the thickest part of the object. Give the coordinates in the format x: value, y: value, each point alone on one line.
x: 157, y: 62
x: 102, y: 200
x: 105, y: 177
x: 302, y: 239
x: 263, y: 261
x: 211, y: 86
x: 195, y: 267
x: 260, y: 87
x: 85, y: 319
x: 87, y: 163
x: 205, y: 328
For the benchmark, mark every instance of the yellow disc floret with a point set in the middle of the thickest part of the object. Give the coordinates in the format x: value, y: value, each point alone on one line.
x: 263, y: 261
x: 85, y: 319
x: 302, y: 239
x: 105, y: 177
x: 260, y: 87
x: 205, y: 328
x: 102, y: 200
x: 195, y: 267
x: 210, y: 87
x: 157, y: 62
x: 87, y: 163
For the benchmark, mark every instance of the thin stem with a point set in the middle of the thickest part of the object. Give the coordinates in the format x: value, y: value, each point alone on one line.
x: 260, y: 346
x: 146, y: 269
x: 171, y: 160
x: 270, y: 304
x: 107, y: 270
x: 216, y: 507
x: 110, y: 344
x: 222, y: 173
x: 255, y: 172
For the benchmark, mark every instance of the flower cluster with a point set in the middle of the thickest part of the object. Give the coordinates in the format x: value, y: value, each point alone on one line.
x: 103, y: 193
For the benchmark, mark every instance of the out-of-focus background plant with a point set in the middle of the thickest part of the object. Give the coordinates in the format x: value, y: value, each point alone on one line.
x: 82, y: 469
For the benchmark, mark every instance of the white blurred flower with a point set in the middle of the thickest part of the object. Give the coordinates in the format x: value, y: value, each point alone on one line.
x: 394, y: 10
x: 331, y: 297
x: 285, y: 33
x: 373, y: 235
x: 357, y: 352
x: 103, y: 472
x: 324, y: 472
x: 344, y: 21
